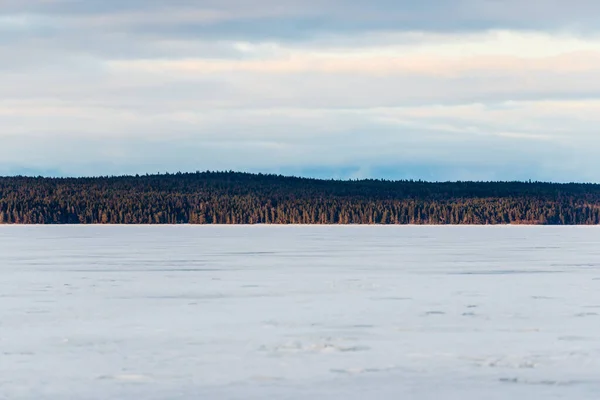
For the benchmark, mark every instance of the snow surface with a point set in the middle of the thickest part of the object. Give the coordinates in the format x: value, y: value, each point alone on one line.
x: 267, y: 312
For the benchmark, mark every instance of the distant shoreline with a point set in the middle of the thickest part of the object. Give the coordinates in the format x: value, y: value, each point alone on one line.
x: 232, y: 198
x: 3, y: 225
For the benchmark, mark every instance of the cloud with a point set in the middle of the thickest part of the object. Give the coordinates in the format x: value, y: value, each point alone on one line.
x: 289, y: 19
x: 435, y: 89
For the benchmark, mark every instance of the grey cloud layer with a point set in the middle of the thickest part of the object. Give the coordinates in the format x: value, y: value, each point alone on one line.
x: 147, y: 29
x: 94, y: 87
x: 291, y: 18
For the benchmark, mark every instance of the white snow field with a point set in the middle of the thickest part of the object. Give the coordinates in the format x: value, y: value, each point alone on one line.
x: 299, y: 312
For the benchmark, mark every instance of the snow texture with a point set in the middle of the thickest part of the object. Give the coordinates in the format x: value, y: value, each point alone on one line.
x: 299, y: 312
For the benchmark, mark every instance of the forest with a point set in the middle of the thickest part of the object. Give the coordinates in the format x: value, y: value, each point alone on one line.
x: 243, y: 198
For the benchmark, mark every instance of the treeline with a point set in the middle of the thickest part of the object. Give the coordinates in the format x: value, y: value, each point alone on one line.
x: 241, y: 198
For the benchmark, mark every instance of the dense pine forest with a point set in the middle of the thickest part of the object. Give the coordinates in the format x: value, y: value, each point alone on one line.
x: 241, y: 198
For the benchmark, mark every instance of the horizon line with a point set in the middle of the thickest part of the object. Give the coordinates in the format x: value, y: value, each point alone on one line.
x: 291, y: 176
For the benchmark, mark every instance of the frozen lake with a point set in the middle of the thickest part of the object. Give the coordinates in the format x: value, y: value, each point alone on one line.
x: 182, y: 312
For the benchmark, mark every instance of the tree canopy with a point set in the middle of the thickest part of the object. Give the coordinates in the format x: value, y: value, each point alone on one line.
x: 242, y: 198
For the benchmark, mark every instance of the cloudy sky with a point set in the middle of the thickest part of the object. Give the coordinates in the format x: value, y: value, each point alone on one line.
x: 434, y: 89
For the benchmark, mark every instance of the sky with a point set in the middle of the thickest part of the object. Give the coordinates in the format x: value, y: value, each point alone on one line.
x: 434, y: 89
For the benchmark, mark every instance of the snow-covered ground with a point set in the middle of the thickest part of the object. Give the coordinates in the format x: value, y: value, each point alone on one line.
x: 265, y: 312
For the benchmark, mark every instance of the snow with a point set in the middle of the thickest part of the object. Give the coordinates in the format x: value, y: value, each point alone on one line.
x: 299, y: 312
